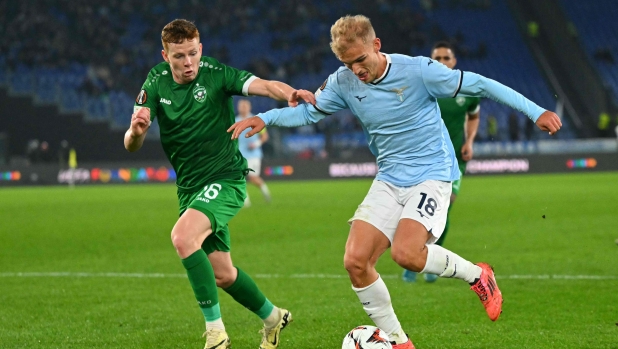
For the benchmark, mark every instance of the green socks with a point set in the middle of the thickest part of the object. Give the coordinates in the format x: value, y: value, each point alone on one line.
x: 448, y: 223
x: 245, y: 291
x: 202, y: 279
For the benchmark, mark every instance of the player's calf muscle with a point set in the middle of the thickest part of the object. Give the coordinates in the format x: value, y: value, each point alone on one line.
x: 413, y: 259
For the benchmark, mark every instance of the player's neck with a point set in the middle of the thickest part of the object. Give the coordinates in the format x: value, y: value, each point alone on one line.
x: 381, y: 65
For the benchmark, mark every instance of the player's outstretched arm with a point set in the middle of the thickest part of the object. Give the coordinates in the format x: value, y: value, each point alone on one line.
x: 135, y: 135
x: 442, y: 82
x: 280, y: 91
x: 549, y: 121
x: 254, y: 123
x: 304, y: 114
x: 472, y: 126
x: 477, y: 85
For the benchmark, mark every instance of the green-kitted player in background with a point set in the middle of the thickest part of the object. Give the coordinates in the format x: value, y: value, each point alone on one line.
x: 191, y: 96
x: 461, y: 117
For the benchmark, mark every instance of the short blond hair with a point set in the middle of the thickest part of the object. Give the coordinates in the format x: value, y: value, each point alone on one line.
x: 347, y: 30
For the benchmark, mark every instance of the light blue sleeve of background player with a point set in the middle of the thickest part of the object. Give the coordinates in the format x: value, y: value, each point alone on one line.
x: 442, y: 82
x: 328, y: 101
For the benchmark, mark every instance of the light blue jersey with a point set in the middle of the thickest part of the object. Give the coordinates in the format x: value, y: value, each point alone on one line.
x: 400, y: 115
x: 245, y: 143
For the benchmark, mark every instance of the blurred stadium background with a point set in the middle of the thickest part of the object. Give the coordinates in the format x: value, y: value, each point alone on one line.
x: 69, y: 75
x: 70, y: 70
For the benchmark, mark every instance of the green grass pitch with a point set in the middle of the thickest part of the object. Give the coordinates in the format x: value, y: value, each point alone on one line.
x: 294, y: 248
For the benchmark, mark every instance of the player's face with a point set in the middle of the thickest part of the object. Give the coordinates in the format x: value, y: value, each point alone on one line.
x: 364, y: 60
x: 445, y: 56
x: 244, y: 108
x: 184, y: 59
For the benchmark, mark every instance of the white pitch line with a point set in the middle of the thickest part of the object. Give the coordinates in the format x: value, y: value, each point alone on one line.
x: 282, y: 276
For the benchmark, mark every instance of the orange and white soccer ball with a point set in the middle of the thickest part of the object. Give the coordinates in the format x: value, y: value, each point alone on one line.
x: 366, y: 337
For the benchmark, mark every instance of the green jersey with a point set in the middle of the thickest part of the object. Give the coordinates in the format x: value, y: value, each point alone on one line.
x: 454, y: 112
x: 194, y: 119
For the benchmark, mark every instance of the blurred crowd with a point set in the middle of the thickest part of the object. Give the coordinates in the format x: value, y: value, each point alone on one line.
x: 118, y: 41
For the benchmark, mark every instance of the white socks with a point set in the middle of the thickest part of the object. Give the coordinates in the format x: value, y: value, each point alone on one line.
x: 265, y: 192
x: 447, y: 264
x: 273, y: 319
x: 264, y: 189
x: 377, y: 304
x: 217, y: 324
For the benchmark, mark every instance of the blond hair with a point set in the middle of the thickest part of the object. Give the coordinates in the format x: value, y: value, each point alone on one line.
x: 347, y: 30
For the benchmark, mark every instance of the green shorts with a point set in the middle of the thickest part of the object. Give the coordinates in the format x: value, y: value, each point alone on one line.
x: 457, y: 183
x: 219, y: 201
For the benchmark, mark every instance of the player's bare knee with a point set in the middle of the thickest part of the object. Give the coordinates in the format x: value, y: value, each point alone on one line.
x: 183, y: 244
x: 355, y: 264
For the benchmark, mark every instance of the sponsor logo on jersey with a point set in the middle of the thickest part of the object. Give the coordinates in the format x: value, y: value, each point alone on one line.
x: 319, y: 91
x: 201, y: 64
x: 460, y: 101
x: 142, y: 97
x: 164, y: 72
x: 166, y: 101
x: 399, y: 92
x: 323, y: 85
x: 199, y: 93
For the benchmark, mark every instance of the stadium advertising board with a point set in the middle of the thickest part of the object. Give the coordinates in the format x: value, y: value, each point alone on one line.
x: 296, y: 169
x: 118, y: 175
x: 299, y: 169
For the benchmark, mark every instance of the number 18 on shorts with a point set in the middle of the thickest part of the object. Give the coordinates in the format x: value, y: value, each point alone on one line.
x: 426, y: 203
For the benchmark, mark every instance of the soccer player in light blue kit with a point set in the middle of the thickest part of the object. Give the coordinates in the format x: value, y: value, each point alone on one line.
x: 394, y: 98
x: 251, y: 149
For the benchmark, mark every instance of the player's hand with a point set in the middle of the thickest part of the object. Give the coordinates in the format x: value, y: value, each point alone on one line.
x: 298, y: 95
x: 549, y: 121
x: 254, y: 123
x: 140, y: 122
x: 467, y: 152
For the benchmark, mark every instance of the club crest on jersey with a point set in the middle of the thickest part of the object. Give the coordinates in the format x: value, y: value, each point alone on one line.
x: 199, y: 93
x: 142, y: 97
x: 399, y: 92
x: 460, y: 101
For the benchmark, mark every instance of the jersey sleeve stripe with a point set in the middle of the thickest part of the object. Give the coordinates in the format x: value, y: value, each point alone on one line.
x: 321, y: 111
x: 245, y: 87
x: 476, y: 110
x: 460, y: 81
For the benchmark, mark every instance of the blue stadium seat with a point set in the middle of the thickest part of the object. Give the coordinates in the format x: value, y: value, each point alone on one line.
x: 597, y: 30
x: 22, y: 80
x: 71, y: 101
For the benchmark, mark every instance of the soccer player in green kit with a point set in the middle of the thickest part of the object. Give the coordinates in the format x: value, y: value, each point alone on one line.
x: 461, y: 117
x: 191, y: 96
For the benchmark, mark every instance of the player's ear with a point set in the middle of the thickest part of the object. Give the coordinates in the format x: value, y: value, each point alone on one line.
x: 164, y: 54
x: 377, y: 44
x: 200, y: 50
x: 454, y: 61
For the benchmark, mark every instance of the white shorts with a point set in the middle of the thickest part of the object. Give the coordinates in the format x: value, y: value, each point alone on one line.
x: 426, y: 203
x: 256, y: 165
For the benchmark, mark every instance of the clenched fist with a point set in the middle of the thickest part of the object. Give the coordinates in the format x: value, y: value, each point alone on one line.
x: 140, y: 122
